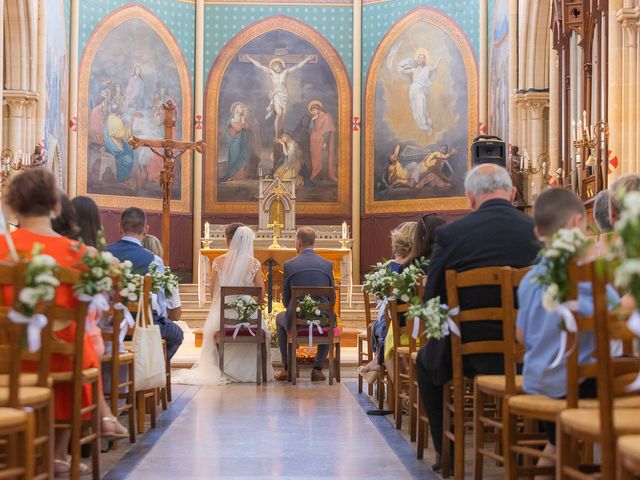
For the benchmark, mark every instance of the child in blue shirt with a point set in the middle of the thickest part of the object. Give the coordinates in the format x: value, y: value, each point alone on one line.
x: 538, y: 329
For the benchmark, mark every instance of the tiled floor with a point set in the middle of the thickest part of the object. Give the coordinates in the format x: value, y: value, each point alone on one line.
x: 273, y: 431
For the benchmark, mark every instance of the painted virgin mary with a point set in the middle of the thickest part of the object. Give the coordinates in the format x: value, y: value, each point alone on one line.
x: 322, y: 139
x: 240, y: 138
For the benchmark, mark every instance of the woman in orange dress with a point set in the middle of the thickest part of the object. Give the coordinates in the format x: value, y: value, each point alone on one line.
x: 33, y: 197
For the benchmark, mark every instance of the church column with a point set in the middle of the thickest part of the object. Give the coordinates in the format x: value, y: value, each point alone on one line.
x: 72, y: 155
x: 630, y: 161
x: 513, y: 73
x: 554, y: 109
x: 16, y: 112
x: 537, y: 105
x: 197, y: 157
x: 484, y: 64
x: 355, y: 142
x: 41, y: 106
x: 2, y: 77
x: 615, y: 85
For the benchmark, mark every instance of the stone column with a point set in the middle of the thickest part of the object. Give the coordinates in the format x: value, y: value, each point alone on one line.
x: 356, y: 182
x: 72, y: 163
x: 2, y: 79
x: 631, y: 122
x: 615, y: 85
x: 41, y: 72
x: 484, y: 67
x: 554, y: 110
x: 513, y: 73
x: 197, y: 157
x: 15, y: 124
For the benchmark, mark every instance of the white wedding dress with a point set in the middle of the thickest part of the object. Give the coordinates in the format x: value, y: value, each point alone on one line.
x: 238, y: 270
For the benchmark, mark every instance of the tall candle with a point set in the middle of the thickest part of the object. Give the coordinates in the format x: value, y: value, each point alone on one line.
x: 584, y: 118
x: 207, y: 232
x: 345, y: 231
x: 573, y: 130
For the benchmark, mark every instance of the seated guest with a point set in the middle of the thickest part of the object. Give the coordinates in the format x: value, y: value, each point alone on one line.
x: 601, y: 212
x: 537, y: 329
x: 33, y: 197
x: 308, y: 269
x: 88, y: 219
x: 493, y: 234
x: 174, y: 304
x: 402, y: 238
x: 133, y: 228
x: 66, y: 223
x: 626, y: 183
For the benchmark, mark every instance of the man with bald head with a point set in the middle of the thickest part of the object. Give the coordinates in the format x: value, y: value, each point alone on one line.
x: 494, y: 233
x: 306, y: 270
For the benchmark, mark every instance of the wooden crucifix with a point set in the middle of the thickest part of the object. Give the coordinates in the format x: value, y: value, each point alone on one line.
x: 169, y: 150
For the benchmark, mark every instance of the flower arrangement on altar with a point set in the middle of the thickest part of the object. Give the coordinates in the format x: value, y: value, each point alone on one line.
x: 166, y: 281
x: 379, y: 281
x: 40, y: 282
x: 566, y: 245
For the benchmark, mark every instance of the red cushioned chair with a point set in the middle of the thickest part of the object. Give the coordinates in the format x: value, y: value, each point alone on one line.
x: 330, y: 335
x: 251, y: 333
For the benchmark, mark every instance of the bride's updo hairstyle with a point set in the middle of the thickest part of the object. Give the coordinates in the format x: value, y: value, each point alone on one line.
x: 230, y: 231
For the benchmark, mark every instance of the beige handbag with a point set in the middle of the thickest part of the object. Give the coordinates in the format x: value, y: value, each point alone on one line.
x: 147, y: 345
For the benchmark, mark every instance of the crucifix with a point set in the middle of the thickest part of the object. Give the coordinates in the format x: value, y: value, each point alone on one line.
x: 169, y: 150
x: 277, y: 228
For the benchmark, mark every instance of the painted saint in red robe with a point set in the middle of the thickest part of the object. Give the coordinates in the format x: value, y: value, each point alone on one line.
x: 322, y: 139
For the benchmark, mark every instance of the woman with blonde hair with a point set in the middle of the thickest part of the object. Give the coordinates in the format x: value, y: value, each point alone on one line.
x: 174, y: 304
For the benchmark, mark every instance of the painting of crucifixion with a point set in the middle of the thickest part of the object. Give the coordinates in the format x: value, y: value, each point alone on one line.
x: 277, y: 105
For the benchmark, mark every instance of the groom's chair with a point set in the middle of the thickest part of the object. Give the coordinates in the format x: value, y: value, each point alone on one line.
x: 326, y: 333
x: 235, y: 330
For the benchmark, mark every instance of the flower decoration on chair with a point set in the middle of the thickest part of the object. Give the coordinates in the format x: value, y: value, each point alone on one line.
x: 566, y: 245
x: 379, y: 281
x: 405, y: 284
x: 40, y: 285
x: 129, y: 284
x: 436, y: 318
x: 245, y: 307
x: 166, y: 281
x: 309, y: 309
x: 270, y: 319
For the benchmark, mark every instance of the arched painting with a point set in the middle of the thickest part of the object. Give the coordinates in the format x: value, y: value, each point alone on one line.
x: 421, y: 114
x: 499, y: 71
x: 130, y: 66
x: 278, y: 103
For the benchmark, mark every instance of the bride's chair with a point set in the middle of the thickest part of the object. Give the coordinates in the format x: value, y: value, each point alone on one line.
x: 324, y: 332
x: 235, y: 330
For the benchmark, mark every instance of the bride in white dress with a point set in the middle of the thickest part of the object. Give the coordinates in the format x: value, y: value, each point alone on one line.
x: 236, y: 268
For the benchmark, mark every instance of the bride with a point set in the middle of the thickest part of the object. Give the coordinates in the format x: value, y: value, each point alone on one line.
x: 236, y: 268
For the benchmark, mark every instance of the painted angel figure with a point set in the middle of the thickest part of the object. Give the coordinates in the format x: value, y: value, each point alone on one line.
x: 420, y: 74
x: 279, y: 96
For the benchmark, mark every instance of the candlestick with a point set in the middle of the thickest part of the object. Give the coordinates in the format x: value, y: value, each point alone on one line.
x: 207, y: 232
x: 345, y: 231
x: 260, y: 171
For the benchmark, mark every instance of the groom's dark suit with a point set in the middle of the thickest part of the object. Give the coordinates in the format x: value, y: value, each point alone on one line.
x: 306, y: 270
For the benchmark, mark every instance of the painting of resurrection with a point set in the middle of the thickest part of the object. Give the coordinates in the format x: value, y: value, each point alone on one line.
x: 277, y: 102
x: 134, y: 70
x: 420, y: 115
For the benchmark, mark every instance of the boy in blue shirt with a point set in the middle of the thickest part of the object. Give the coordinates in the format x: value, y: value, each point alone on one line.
x: 539, y: 329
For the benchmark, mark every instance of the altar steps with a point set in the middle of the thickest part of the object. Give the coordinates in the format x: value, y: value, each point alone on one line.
x: 353, y: 316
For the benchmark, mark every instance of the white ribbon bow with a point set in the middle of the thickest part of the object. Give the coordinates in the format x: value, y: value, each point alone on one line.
x: 416, y: 327
x: 570, y: 325
x: 451, y: 326
x: 97, y: 302
x: 633, y: 324
x: 311, y: 324
x: 127, y: 320
x: 34, y: 323
x: 240, y: 325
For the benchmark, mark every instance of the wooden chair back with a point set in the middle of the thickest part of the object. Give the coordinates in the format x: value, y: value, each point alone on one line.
x: 514, y: 352
x: 501, y: 278
x: 11, y: 334
x: 370, y: 306
x: 229, y: 323
x: 327, y: 302
x: 397, y: 313
x: 134, y: 307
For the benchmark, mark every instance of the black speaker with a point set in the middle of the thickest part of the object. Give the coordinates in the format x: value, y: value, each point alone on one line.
x: 489, y: 149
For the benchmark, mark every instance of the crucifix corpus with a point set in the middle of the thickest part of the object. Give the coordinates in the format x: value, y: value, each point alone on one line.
x: 169, y: 150
x: 277, y: 228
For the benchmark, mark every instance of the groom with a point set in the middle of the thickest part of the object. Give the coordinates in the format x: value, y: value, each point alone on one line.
x: 305, y: 270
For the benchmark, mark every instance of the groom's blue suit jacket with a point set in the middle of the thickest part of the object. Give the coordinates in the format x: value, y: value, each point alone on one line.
x: 306, y: 270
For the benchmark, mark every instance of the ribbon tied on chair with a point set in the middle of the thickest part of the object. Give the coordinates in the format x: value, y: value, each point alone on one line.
x: 35, y: 323
x: 311, y: 324
x: 451, y: 326
x: 565, y: 310
x: 127, y: 320
x: 240, y: 325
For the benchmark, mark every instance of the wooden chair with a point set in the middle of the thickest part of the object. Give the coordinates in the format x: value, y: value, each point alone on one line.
x: 299, y: 332
x: 16, y: 442
x: 458, y: 396
x: 78, y: 377
x: 27, y: 392
x: 422, y: 422
x: 628, y: 467
x: 365, y: 356
x: 491, y: 391
x: 146, y: 400
x: 611, y: 419
x: 118, y: 358
x: 253, y: 333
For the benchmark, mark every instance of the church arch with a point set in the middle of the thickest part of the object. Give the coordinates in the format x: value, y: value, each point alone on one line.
x: 100, y: 34
x: 343, y: 123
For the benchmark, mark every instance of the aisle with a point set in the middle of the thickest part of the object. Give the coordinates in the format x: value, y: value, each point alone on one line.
x: 277, y: 431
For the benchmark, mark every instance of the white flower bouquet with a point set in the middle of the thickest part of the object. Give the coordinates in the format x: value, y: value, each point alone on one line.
x: 379, y: 281
x: 309, y: 309
x: 98, y: 270
x: 566, y: 245
x: 434, y: 316
x: 167, y: 281
x: 270, y: 319
x: 627, y: 272
x: 406, y: 283
x: 40, y: 282
x: 245, y: 307
x: 129, y: 283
